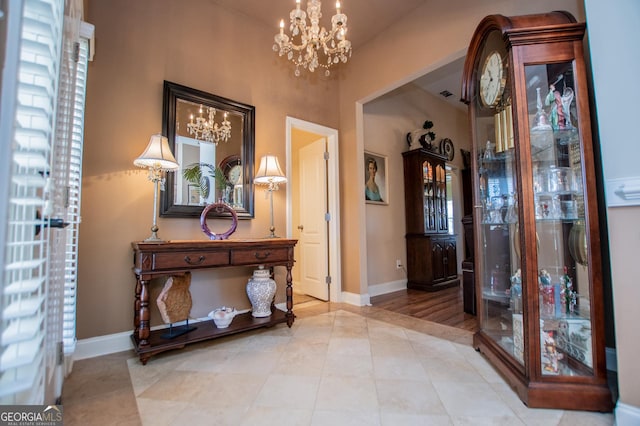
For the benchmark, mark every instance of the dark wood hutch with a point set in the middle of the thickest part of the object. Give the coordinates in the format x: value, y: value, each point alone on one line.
x: 431, y: 251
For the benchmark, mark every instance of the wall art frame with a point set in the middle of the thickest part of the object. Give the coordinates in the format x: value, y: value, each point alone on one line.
x: 376, y: 178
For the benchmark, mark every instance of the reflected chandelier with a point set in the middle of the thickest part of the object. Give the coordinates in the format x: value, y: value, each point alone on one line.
x: 307, y: 40
x: 207, y: 130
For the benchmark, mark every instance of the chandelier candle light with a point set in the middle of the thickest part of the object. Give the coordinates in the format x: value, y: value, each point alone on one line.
x: 269, y: 173
x: 307, y: 40
x: 157, y: 157
x: 207, y: 130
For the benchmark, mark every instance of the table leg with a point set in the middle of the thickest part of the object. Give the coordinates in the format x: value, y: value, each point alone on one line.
x: 144, y: 314
x: 289, y: 292
x: 136, y: 309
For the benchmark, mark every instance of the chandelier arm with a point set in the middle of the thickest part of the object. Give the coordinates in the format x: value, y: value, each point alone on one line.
x: 332, y: 42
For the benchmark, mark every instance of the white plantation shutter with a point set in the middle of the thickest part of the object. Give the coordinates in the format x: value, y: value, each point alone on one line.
x: 38, y: 121
x: 29, y: 127
x: 74, y: 192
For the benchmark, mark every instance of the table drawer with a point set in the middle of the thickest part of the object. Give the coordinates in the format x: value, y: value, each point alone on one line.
x: 257, y: 256
x: 190, y: 260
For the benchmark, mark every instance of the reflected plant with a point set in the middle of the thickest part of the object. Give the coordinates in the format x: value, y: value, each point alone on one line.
x: 194, y: 174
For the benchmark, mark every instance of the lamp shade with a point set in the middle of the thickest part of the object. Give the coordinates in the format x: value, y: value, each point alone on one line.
x: 157, y: 155
x: 269, y: 171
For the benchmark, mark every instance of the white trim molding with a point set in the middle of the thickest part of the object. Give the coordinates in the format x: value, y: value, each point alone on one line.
x: 627, y: 415
x: 385, y: 288
x: 117, y: 342
x: 333, y: 196
x: 355, y: 299
x: 103, y: 345
x: 623, y: 192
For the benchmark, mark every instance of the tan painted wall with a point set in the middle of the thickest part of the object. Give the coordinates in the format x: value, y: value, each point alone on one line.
x: 387, y: 120
x: 431, y: 34
x: 138, y: 45
x: 626, y: 288
x: 613, y: 34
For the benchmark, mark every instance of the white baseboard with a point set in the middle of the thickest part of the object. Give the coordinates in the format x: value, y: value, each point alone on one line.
x: 103, y: 345
x: 113, y: 343
x: 384, y: 288
x: 627, y: 415
x: 374, y: 290
x: 355, y: 299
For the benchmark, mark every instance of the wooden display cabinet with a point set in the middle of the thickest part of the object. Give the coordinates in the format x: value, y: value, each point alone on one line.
x: 538, y: 269
x: 431, y: 251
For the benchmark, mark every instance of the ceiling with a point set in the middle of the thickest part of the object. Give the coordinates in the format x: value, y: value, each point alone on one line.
x: 366, y: 19
x: 377, y: 14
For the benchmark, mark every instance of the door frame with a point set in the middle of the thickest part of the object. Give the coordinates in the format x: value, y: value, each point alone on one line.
x: 333, y: 196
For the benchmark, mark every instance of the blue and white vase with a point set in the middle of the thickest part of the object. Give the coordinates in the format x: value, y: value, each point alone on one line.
x: 261, y: 289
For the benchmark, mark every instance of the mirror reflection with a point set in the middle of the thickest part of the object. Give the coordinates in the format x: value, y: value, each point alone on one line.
x: 212, y: 139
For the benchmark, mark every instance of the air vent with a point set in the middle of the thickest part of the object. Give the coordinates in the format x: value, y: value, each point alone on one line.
x: 446, y: 93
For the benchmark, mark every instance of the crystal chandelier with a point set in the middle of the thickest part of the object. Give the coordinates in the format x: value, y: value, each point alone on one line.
x: 307, y: 40
x: 207, y: 130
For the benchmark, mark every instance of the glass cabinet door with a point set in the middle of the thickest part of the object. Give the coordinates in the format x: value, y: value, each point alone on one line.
x: 429, y: 206
x: 440, y: 198
x: 498, y: 264
x: 563, y: 270
x: 500, y: 277
x: 435, y: 197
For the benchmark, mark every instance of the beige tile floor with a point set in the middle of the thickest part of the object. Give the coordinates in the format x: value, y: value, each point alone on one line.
x: 337, y: 365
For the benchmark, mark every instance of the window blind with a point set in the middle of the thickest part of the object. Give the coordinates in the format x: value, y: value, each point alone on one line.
x: 74, y: 192
x: 28, y: 119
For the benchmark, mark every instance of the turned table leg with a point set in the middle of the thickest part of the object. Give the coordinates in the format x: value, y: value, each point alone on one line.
x: 136, y: 309
x: 143, y: 316
x: 289, y: 292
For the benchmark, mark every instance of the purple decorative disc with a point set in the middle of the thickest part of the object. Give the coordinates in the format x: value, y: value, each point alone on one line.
x: 219, y: 208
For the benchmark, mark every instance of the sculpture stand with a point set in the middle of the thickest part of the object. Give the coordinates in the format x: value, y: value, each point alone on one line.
x: 177, y: 331
x: 174, y: 303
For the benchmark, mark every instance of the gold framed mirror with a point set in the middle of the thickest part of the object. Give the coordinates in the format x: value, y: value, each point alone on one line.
x: 215, y: 138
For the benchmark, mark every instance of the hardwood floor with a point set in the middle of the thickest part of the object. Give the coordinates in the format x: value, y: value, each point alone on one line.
x: 443, y: 307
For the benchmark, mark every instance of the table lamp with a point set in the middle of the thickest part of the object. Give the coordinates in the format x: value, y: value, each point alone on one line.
x: 157, y: 157
x: 269, y: 173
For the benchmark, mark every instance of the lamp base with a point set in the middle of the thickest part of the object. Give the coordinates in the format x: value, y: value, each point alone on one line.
x: 272, y: 234
x: 154, y: 235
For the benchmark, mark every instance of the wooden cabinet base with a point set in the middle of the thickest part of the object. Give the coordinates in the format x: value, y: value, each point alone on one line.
x: 548, y: 392
x: 430, y: 286
x: 431, y: 262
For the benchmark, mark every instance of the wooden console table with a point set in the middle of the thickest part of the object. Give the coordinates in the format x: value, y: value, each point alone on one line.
x: 152, y: 259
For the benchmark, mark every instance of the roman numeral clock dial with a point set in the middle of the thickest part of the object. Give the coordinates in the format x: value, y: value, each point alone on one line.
x: 492, y: 80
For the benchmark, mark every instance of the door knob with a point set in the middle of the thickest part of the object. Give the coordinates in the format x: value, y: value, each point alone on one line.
x: 301, y: 227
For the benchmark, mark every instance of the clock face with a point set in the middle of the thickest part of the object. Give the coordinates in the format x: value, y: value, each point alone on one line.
x: 492, y: 80
x: 231, y: 166
x: 235, y: 175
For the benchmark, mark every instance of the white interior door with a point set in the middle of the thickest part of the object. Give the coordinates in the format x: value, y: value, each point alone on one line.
x: 313, y: 242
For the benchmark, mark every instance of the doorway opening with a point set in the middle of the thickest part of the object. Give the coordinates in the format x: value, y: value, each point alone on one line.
x: 313, y: 208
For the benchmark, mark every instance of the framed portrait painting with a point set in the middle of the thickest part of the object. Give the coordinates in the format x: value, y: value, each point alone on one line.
x: 375, y: 179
